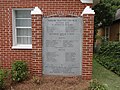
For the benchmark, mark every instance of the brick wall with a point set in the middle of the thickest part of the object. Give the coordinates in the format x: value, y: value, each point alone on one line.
x: 88, y: 33
x: 37, y: 44
x: 34, y: 55
x: 114, y: 32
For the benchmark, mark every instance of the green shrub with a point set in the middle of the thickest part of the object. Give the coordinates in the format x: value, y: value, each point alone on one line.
x: 109, y: 62
x: 111, y: 49
x: 3, y: 75
x: 19, y: 71
x: 109, y: 56
x: 95, y: 85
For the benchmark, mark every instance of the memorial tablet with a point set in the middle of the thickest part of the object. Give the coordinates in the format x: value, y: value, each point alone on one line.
x: 62, y: 46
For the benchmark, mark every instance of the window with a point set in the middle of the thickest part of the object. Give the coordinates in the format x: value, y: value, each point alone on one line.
x: 22, y: 33
x: 107, y: 33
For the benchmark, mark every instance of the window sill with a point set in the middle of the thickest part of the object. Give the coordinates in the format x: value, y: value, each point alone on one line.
x: 22, y: 47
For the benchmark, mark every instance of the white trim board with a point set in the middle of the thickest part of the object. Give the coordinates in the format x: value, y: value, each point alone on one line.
x: 86, y: 1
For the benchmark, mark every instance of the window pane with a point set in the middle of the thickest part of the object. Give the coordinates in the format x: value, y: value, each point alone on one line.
x: 23, y: 22
x: 29, y: 40
x: 24, y: 40
x: 24, y: 32
x: 23, y: 14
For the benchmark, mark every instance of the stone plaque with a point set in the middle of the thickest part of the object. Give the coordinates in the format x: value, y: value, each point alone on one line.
x: 62, y: 46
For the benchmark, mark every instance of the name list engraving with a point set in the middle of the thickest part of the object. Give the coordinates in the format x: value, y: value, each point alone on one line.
x: 62, y: 46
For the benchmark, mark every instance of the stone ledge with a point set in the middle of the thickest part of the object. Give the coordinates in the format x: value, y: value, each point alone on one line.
x: 36, y: 10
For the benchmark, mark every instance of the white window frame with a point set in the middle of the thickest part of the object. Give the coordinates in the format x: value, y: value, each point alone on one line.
x: 107, y: 33
x: 119, y: 31
x: 14, y: 36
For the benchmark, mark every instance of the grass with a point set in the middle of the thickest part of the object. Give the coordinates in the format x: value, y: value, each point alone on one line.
x: 106, y: 77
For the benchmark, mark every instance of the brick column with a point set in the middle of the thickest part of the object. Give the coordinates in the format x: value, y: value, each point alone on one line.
x: 88, y: 32
x: 37, y: 42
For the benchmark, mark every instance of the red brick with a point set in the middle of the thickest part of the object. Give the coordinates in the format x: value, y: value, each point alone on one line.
x: 49, y: 7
